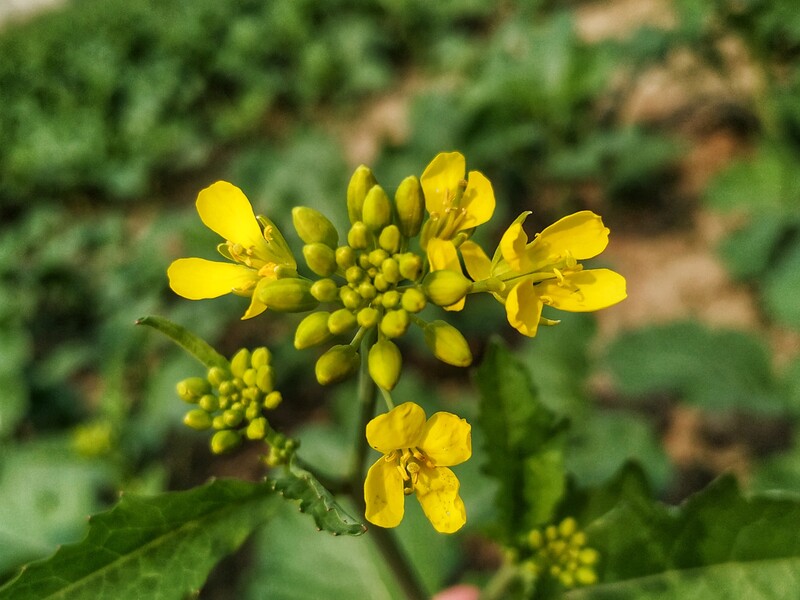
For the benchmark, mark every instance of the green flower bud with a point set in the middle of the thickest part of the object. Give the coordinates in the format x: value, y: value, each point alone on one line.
x: 249, y: 377
x: 197, y: 419
x: 225, y: 441
x: 389, y: 239
x: 218, y: 422
x: 586, y: 576
x: 410, y: 266
x: 288, y: 295
x: 265, y: 379
x: 209, y: 403
x: 320, y: 258
x: 380, y: 283
x: 338, y: 363
x: 368, y: 317
x: 363, y: 261
x: 377, y: 209
x: 384, y: 362
x: 350, y: 298
x: 445, y: 287
x: 227, y: 388
x: 272, y: 400
x: 358, y: 236
x: 325, y: 290
x: 341, y: 321
x: 410, y: 206
x: 257, y: 429
x: 390, y: 299
x: 240, y: 362
x: 313, y: 227
x: 394, y: 323
x: 312, y: 330
x: 366, y: 290
x: 376, y: 257
x: 192, y: 389
x: 354, y: 274
x: 447, y: 344
x: 252, y: 412
x: 390, y: 270
x: 413, y: 300
x: 260, y: 357
x: 216, y: 376
x: 360, y: 183
x: 345, y: 257
x: 232, y: 417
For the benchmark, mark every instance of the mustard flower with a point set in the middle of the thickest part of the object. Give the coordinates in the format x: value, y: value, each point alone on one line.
x: 254, y: 246
x: 417, y: 454
x: 525, y: 275
x: 455, y: 205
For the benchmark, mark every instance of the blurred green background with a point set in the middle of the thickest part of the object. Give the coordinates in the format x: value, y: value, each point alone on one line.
x: 678, y: 121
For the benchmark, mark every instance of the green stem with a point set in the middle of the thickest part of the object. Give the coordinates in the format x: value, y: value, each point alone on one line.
x: 498, y: 585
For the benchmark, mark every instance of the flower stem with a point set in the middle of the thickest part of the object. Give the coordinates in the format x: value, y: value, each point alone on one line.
x: 499, y: 584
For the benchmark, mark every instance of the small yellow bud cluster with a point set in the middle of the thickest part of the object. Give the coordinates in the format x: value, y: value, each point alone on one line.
x: 94, y: 439
x: 232, y: 400
x: 373, y: 281
x: 560, y: 551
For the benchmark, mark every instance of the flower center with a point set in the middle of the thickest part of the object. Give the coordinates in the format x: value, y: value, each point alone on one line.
x: 448, y: 222
x: 409, y: 462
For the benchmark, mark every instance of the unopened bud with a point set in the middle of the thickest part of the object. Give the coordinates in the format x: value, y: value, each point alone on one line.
x: 358, y: 236
x: 389, y: 239
x: 341, y: 321
x: 360, y: 183
x: 390, y: 299
x: 345, y: 257
x: 225, y: 441
x: 394, y: 323
x: 288, y: 295
x: 313, y: 227
x: 216, y: 376
x: 265, y: 379
x: 413, y: 300
x: 390, y: 270
x: 384, y: 363
x: 445, y: 287
x: 260, y: 357
x: 240, y: 362
x: 447, y: 344
x: 325, y: 290
x: 337, y: 364
x: 320, y: 258
x: 272, y: 400
x: 192, y: 389
x: 350, y: 298
x: 197, y: 419
x: 368, y: 317
x: 410, y: 266
x: 377, y: 209
x: 257, y: 429
x: 312, y: 330
x: 410, y: 206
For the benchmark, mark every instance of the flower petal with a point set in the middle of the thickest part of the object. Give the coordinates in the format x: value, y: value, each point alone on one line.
x: 447, y: 439
x: 581, y: 235
x: 442, y: 255
x: 513, y: 243
x: 437, y: 492
x: 256, y: 305
x: 584, y: 291
x: 383, y: 494
x: 401, y: 427
x: 440, y: 178
x: 478, y: 264
x: 225, y: 209
x: 197, y: 278
x: 478, y: 200
x: 523, y: 308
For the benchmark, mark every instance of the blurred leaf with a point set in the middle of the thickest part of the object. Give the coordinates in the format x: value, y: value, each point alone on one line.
x: 713, y: 369
x: 748, y: 251
x: 781, y: 286
x: 182, y: 534
x: 524, y: 442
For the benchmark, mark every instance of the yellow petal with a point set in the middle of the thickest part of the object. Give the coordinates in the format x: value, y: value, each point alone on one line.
x: 443, y: 256
x: 437, y: 492
x: 225, y: 209
x: 478, y: 264
x: 401, y: 427
x: 256, y: 305
x: 441, y: 178
x: 523, y: 308
x: 584, y: 291
x: 478, y: 200
x: 197, y: 278
x: 581, y: 234
x: 447, y: 439
x: 383, y: 494
x: 513, y: 244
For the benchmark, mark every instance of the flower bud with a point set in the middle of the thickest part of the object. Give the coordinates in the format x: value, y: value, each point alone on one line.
x: 252, y: 412
x: 225, y: 441
x: 232, y: 417
x: 240, y: 362
x: 325, y: 290
x: 350, y: 298
x: 341, y: 321
x: 197, y: 419
x: 265, y: 379
x: 445, y: 287
x: 447, y: 343
x: 413, y: 300
x: 337, y: 364
x: 257, y: 429
x: 354, y: 274
x: 389, y: 239
x: 360, y: 183
x: 209, y: 403
x: 312, y: 330
x: 288, y: 295
x: 391, y: 299
x: 366, y: 290
x: 390, y: 270
x: 410, y: 206
x: 358, y: 236
x: 216, y: 376
x: 260, y: 357
x: 320, y: 258
x: 345, y: 257
x: 368, y: 317
x: 394, y: 323
x: 377, y: 209
x: 192, y: 389
x: 272, y: 400
x: 410, y: 266
x: 313, y: 227
x: 384, y: 363
x: 377, y: 256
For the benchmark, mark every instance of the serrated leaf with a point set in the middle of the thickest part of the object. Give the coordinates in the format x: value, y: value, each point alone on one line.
x: 187, y: 340
x: 314, y: 499
x: 524, y: 442
x: 160, y: 547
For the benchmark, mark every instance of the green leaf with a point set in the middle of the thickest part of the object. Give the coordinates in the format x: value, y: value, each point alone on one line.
x: 301, y: 485
x: 747, y: 252
x: 158, y: 547
x: 780, y: 289
x: 194, y: 345
x: 524, y: 442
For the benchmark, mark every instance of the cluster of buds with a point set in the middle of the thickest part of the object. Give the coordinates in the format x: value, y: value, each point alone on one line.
x: 560, y: 552
x: 232, y: 400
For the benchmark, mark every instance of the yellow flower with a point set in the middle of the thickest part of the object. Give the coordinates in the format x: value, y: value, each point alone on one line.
x: 527, y: 275
x: 454, y: 205
x: 416, y: 456
x: 254, y: 245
